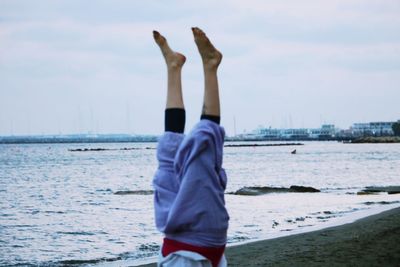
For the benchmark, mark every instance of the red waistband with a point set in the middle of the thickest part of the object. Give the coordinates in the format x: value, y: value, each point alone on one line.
x: 212, y: 254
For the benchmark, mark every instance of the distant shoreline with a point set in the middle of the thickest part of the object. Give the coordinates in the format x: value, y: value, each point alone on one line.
x: 125, y: 138
x: 78, y: 139
x: 376, y: 140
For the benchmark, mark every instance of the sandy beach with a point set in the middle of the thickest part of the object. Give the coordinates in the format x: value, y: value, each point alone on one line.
x: 371, y: 241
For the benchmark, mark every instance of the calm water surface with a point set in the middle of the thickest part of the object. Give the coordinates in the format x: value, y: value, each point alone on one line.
x: 59, y: 207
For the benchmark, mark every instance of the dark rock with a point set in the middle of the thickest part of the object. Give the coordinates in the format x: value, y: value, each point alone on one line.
x: 261, y: 190
x: 256, y: 191
x: 380, y: 189
x: 368, y: 203
x: 303, y: 189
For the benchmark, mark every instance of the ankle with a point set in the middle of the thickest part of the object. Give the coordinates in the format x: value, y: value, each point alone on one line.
x: 174, y: 68
x: 210, y: 68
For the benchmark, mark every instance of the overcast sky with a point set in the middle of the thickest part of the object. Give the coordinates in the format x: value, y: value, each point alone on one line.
x: 92, y: 66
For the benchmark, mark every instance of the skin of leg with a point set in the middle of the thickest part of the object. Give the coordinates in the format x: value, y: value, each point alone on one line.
x: 174, y: 63
x: 211, y: 58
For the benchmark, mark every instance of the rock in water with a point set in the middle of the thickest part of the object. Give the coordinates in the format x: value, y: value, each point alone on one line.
x: 261, y: 190
x: 380, y: 189
x: 303, y: 189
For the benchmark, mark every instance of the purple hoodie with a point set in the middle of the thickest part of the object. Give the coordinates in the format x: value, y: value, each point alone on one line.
x: 189, y: 186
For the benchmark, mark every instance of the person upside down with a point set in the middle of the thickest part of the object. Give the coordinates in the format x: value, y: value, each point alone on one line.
x: 190, y: 182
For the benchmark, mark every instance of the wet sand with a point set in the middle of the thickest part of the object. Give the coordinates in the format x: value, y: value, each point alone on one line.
x: 371, y: 241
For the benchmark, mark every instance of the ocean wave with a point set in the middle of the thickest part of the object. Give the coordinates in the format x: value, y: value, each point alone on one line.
x: 340, y: 188
x: 108, y: 190
x: 145, y: 250
x: 261, y: 190
x: 393, y: 189
x: 23, y: 264
x: 80, y: 233
x: 134, y: 192
x: 238, y: 238
x: 54, y: 212
x: 152, y: 247
x: 368, y: 203
x: 85, y: 262
x: 257, y: 145
x: 107, y: 149
x: 62, y: 263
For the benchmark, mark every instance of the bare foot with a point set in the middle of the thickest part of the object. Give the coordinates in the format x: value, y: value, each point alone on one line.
x: 172, y: 58
x: 209, y: 54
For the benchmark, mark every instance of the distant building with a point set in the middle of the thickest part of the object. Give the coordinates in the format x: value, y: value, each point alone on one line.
x: 346, y: 133
x: 381, y: 128
x: 326, y: 131
x: 372, y: 129
x: 360, y: 129
x: 295, y: 134
x: 269, y: 133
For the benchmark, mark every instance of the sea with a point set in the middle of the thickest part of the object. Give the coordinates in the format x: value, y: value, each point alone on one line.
x: 92, y: 204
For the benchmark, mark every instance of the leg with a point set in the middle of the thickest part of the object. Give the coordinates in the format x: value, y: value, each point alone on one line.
x: 174, y: 113
x: 211, y: 59
x: 164, y: 181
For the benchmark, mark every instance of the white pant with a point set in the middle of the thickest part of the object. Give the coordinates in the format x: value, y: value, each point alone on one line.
x: 183, y: 258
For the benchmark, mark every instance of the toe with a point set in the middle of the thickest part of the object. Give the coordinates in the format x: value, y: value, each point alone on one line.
x: 196, y: 31
x: 156, y: 34
x: 160, y: 40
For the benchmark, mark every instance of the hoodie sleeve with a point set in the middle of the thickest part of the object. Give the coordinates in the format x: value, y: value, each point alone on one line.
x: 165, y: 183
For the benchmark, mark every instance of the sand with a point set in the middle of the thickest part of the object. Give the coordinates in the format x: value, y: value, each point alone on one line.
x: 371, y: 241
